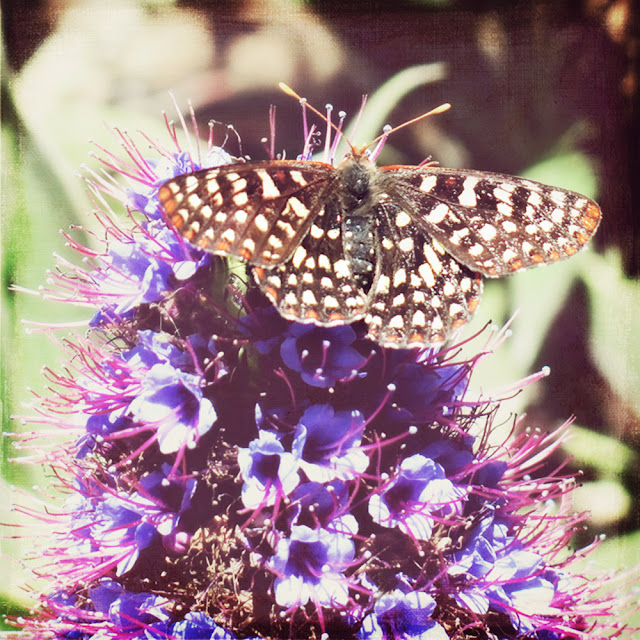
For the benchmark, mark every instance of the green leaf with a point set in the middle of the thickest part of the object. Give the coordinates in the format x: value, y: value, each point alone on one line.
x: 604, y: 453
x: 568, y: 170
x: 615, y: 333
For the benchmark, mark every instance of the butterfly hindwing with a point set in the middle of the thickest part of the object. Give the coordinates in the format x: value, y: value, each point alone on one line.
x: 317, y: 285
x: 421, y: 293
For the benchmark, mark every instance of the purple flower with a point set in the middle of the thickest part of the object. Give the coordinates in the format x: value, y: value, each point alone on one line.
x: 424, y: 389
x: 166, y: 397
x: 327, y: 443
x: 266, y: 328
x: 403, y: 616
x: 323, y: 505
x: 121, y: 524
x: 267, y: 469
x: 418, y: 493
x: 501, y: 573
x: 198, y: 626
x: 173, y: 402
x: 309, y: 565
x: 131, y: 267
x: 322, y: 356
x: 139, y: 269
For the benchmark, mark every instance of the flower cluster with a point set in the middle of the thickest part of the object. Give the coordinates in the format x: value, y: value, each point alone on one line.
x: 235, y: 475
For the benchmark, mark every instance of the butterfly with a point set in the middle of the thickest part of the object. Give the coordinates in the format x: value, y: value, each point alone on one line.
x: 403, y: 247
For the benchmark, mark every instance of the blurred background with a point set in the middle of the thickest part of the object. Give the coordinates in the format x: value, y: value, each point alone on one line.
x: 543, y: 89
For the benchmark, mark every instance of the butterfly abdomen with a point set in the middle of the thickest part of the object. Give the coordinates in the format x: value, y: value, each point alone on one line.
x: 359, y: 220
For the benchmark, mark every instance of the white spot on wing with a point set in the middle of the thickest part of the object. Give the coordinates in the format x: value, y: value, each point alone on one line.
x: 488, y: 232
x: 406, y: 244
x: 399, y: 277
x: 324, y: 262
x: 297, y: 177
x: 240, y: 199
x: 433, y: 260
x: 504, y: 208
x: 438, y: 213
x: 308, y: 297
x: 534, y: 199
x: 427, y: 275
x: 398, y: 301
x: 298, y: 257
x: 383, y: 284
x: 468, y: 196
x: 402, y: 219
x: 238, y: 185
x: 341, y: 268
x: 456, y: 309
x: 297, y: 207
x: 269, y: 189
x: 261, y: 222
x: 428, y: 183
x: 419, y: 319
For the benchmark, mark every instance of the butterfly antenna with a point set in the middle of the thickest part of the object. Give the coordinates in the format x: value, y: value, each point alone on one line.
x: 290, y: 92
x: 272, y: 131
x: 388, y: 130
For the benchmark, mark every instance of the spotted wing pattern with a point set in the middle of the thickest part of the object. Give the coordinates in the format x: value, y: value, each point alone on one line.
x: 259, y: 212
x: 317, y: 285
x: 495, y: 224
x: 422, y: 293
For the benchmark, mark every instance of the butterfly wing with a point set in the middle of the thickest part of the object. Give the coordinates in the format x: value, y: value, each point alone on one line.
x: 257, y: 211
x: 492, y: 223
x: 421, y: 293
x: 317, y: 285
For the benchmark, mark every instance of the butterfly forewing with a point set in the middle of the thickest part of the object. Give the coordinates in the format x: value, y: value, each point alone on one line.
x: 259, y: 211
x: 493, y: 223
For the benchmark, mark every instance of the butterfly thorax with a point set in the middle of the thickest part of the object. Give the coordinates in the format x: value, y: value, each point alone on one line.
x: 358, y: 200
